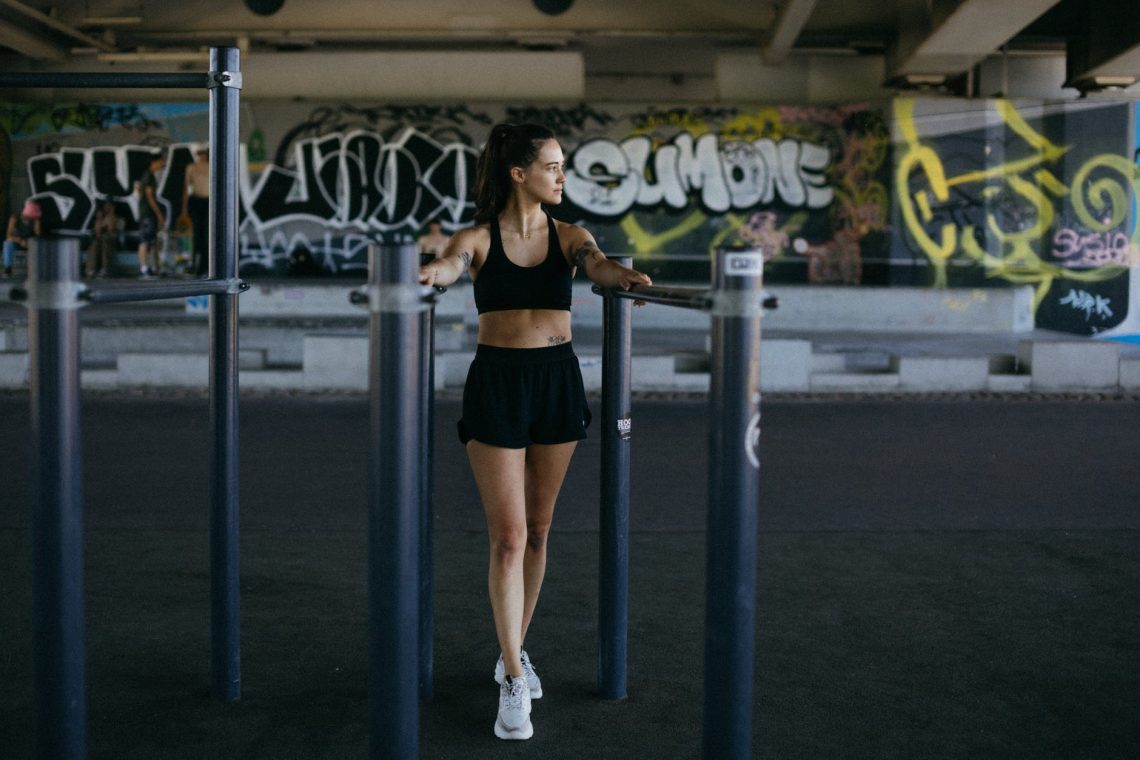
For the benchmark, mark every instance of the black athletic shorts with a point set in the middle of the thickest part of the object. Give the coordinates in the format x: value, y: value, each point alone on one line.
x: 518, y: 396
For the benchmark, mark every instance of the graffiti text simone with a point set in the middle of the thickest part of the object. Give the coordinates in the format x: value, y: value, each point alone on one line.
x: 608, y: 178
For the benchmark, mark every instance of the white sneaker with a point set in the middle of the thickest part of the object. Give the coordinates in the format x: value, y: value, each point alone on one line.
x: 532, y: 679
x: 514, y: 710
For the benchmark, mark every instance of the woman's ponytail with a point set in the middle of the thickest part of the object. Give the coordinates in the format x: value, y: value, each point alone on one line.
x: 508, y: 145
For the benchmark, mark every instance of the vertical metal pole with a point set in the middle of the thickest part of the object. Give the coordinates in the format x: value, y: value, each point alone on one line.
x: 225, y: 643
x: 427, y: 459
x: 734, y: 477
x: 613, y: 578
x: 57, y: 501
x: 394, y: 501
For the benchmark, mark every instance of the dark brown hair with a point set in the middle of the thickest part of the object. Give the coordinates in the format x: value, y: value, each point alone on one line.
x: 508, y: 146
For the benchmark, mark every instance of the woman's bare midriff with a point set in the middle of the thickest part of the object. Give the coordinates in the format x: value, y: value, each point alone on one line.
x: 524, y: 328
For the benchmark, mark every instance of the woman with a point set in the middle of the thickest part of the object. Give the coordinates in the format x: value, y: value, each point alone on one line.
x: 524, y: 408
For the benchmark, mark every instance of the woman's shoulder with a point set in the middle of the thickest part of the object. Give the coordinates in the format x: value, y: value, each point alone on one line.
x: 473, y: 234
x: 571, y: 235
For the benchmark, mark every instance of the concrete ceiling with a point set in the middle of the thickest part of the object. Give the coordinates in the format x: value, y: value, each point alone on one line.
x: 921, y: 40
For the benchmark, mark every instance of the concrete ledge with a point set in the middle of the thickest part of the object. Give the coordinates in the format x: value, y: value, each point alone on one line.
x: 861, y: 382
x: 286, y: 300
x: 451, y: 368
x: 691, y: 381
x: 591, y: 372
x: 785, y: 365
x: 271, y: 379
x: 164, y: 369
x: 943, y: 373
x: 13, y: 370
x: 651, y: 372
x: 1008, y: 383
x: 1071, y: 365
x: 802, y: 307
x: 102, y: 379
x: 335, y: 361
x: 1130, y: 374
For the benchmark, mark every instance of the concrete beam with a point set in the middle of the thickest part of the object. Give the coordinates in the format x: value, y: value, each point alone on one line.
x: 780, y: 40
x: 1106, y: 51
x: 953, y: 36
x: 33, y: 45
x: 417, y: 76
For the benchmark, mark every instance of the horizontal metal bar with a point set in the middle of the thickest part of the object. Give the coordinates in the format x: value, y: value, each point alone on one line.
x: 159, y: 291
x: 112, y: 80
x: 684, y: 298
x: 416, y: 298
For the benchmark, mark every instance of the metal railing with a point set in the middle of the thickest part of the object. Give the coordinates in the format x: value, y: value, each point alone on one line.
x: 52, y: 294
x: 735, y: 303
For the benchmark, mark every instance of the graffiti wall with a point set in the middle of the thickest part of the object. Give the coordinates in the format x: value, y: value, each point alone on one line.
x: 928, y: 192
x: 807, y: 185
x: 996, y: 193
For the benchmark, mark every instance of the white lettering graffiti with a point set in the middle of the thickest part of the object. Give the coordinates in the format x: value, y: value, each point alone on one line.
x: 1095, y: 249
x: 352, y: 181
x: 1082, y: 300
x: 608, y: 178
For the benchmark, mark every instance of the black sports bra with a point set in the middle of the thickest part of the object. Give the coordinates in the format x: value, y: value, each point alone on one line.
x: 503, y: 285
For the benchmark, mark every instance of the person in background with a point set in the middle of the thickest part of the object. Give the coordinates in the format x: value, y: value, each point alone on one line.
x: 434, y: 241
x: 104, y: 240
x: 151, y: 218
x: 22, y: 227
x: 196, y: 205
x: 524, y: 406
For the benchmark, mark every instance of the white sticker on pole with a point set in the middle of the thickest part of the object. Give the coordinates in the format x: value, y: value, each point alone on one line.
x: 743, y: 265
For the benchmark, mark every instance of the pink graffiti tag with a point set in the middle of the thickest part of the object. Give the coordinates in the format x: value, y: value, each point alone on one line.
x: 1094, y: 249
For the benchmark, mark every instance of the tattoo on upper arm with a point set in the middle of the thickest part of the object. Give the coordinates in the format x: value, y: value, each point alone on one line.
x: 585, y: 251
x: 465, y: 257
x: 555, y: 340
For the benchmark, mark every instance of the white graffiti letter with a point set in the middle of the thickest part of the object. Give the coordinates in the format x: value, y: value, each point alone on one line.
x: 601, y: 179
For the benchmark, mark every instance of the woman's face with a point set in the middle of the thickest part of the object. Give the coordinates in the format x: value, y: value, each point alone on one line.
x: 544, y: 177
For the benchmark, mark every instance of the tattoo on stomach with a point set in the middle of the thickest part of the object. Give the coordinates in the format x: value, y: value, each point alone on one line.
x: 555, y: 340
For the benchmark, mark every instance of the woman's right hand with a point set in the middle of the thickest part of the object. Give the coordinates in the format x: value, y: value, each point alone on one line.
x: 428, y: 273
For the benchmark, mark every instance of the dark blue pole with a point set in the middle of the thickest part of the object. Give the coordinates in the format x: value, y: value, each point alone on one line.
x: 225, y: 643
x: 57, y: 500
x: 613, y: 579
x: 734, y: 478
x: 394, y: 508
x: 427, y: 513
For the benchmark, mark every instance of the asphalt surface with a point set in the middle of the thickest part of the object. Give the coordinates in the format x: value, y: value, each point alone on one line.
x: 943, y: 578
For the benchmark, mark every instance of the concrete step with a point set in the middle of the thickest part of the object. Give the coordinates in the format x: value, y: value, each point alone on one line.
x: 339, y: 361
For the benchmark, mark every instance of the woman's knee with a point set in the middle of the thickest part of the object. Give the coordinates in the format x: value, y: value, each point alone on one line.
x: 536, y: 535
x: 508, y: 543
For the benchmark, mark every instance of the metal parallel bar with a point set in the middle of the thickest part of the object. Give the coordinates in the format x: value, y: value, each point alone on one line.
x: 394, y: 504
x: 225, y: 640
x: 734, y: 477
x: 685, y: 298
x: 109, y: 80
x: 57, y: 507
x: 427, y: 511
x: 159, y: 291
x: 613, y: 578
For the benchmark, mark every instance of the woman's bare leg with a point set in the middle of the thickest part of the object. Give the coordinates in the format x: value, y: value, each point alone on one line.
x: 501, y: 479
x: 546, y: 467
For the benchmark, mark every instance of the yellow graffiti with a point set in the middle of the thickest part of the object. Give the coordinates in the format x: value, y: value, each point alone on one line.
x: 961, y: 304
x: 645, y: 242
x: 1014, y: 254
x: 921, y: 157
